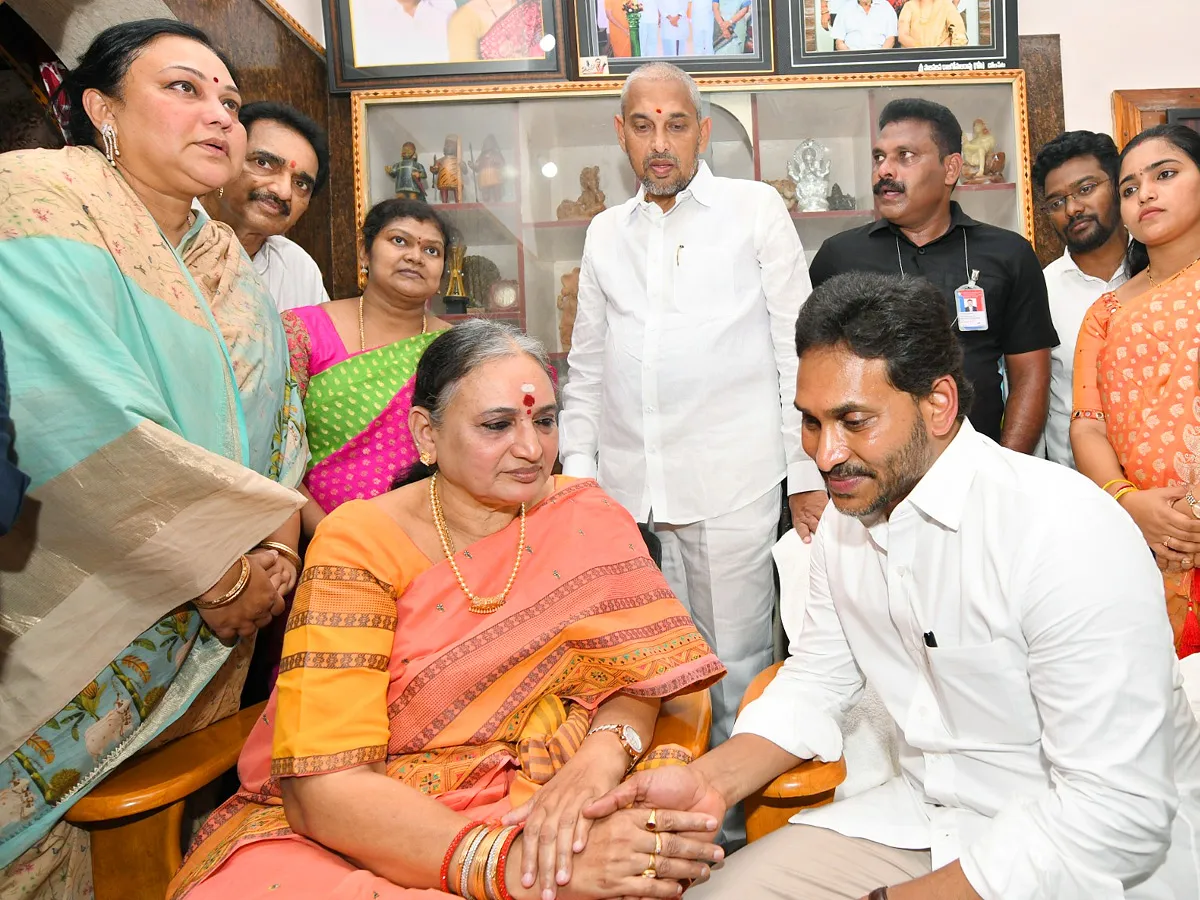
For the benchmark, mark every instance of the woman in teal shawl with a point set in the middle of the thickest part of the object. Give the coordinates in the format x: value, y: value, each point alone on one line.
x: 158, y: 421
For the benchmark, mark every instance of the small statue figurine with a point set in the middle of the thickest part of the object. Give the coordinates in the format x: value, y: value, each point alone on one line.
x: 447, y: 170
x: 982, y: 163
x: 787, y: 190
x: 591, y: 199
x: 489, y: 172
x: 809, y: 168
x: 568, y: 300
x: 408, y: 174
x: 839, y: 200
x: 455, y: 298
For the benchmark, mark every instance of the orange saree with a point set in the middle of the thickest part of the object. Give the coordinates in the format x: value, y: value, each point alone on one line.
x: 383, y: 661
x: 1136, y: 370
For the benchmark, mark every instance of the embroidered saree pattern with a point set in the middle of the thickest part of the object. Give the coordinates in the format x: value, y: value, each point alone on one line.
x: 1136, y: 370
x: 151, y: 396
x: 476, y: 711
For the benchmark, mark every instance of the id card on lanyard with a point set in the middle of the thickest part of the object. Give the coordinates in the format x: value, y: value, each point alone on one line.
x: 971, y: 305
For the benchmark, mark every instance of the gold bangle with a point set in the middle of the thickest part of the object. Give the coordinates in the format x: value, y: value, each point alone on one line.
x: 493, y: 864
x: 457, y: 879
x: 477, y: 879
x: 465, y: 873
x: 1122, y: 492
x: 232, y: 594
x: 285, y: 551
x: 1113, y: 481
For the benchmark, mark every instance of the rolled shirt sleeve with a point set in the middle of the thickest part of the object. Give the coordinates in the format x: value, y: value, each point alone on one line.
x: 802, y: 709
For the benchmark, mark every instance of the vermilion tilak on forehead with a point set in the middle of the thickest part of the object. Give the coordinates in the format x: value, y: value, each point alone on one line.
x: 529, y: 399
x: 292, y: 163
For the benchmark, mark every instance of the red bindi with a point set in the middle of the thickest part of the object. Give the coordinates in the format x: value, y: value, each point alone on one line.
x: 529, y: 401
x: 659, y: 111
x: 216, y: 80
x: 292, y: 164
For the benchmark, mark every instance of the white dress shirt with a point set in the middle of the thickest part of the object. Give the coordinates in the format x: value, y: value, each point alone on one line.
x: 1045, y: 741
x: 1071, y: 293
x: 679, y: 8
x: 384, y: 34
x: 291, y: 275
x: 683, y: 358
x: 866, y: 29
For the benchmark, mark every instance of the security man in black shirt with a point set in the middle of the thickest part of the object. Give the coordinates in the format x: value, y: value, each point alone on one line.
x: 990, y: 277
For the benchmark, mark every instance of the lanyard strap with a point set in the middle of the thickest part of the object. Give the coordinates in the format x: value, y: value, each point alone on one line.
x: 966, y: 258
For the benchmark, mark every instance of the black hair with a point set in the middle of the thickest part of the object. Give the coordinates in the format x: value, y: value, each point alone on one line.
x: 107, y: 61
x: 1071, y: 145
x: 454, y: 355
x: 289, y: 116
x: 387, y: 211
x: 947, y: 133
x: 1185, y: 139
x: 900, y: 319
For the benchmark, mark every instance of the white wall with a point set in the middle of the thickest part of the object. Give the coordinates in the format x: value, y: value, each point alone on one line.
x: 1110, y: 45
x: 1107, y: 45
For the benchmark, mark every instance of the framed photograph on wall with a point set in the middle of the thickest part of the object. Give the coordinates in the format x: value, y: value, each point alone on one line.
x: 703, y: 37
x: 398, y: 43
x: 832, y: 36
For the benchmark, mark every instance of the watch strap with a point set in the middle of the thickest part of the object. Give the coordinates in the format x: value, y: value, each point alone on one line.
x: 619, y: 730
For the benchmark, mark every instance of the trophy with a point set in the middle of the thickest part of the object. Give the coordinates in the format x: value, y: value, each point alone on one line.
x: 809, y: 168
x: 455, y: 298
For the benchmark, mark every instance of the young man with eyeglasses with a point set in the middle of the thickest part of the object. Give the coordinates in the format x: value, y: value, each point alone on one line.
x: 1077, y: 174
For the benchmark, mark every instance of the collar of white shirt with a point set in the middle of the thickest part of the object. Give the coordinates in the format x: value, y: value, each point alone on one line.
x: 942, y: 492
x: 702, y: 187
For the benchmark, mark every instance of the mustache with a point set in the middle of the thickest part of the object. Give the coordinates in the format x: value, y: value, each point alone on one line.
x: 284, y: 206
x: 849, y: 470
x: 1082, y: 217
x: 887, y: 184
x: 661, y: 157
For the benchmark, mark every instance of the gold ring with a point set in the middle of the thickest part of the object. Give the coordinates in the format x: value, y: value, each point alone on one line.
x: 658, y: 843
x: 652, y: 822
x: 651, y: 871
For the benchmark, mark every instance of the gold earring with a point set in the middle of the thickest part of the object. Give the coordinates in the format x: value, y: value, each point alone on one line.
x: 108, y: 135
x: 221, y: 191
x: 426, y: 458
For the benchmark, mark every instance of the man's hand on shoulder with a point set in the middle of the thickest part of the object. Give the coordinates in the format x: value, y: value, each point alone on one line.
x: 806, y: 508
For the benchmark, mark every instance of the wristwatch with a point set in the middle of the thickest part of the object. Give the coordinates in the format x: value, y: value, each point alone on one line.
x: 629, y: 738
x: 880, y: 893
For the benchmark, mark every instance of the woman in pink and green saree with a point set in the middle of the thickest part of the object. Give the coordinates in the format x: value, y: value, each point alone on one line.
x: 355, y: 359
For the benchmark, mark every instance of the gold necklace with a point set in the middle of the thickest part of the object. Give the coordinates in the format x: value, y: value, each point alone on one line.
x: 362, y: 334
x: 481, y: 605
x: 1150, y: 274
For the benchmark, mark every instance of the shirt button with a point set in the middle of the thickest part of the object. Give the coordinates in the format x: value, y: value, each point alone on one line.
x: 649, y: 409
x: 921, y: 250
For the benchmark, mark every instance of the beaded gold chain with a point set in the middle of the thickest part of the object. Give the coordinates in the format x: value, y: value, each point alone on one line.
x: 1150, y: 274
x: 481, y: 605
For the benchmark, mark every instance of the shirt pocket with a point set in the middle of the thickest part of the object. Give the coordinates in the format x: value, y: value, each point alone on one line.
x: 984, y: 694
x: 704, y: 279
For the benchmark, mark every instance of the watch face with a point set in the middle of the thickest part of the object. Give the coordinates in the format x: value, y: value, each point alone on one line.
x: 634, y: 739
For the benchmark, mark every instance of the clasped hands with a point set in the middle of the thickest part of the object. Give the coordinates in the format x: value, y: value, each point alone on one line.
x: 587, y: 837
x: 272, y: 577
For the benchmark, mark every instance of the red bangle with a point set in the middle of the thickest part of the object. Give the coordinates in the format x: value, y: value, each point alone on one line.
x: 502, y: 865
x: 444, y: 878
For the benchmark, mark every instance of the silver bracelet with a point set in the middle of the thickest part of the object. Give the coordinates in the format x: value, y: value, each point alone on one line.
x: 493, y: 861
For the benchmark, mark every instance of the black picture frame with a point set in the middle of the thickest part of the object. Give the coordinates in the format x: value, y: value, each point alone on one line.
x: 595, y: 59
x: 343, y: 18
x: 802, y: 43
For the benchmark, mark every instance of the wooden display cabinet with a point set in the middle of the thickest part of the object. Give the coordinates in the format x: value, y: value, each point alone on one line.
x: 548, y: 133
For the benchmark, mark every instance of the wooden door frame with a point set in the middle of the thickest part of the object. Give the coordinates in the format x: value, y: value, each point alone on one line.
x: 1135, y: 111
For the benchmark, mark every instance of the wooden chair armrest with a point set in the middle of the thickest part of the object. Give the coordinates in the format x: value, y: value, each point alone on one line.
x: 170, y: 773
x: 685, y: 721
x: 809, y: 778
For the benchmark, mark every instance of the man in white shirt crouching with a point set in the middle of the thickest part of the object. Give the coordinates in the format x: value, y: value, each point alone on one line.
x: 286, y: 165
x: 682, y: 368
x: 1013, y: 624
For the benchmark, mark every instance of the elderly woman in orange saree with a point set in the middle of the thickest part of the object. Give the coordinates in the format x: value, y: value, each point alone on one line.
x: 1135, y: 429
x: 409, y: 707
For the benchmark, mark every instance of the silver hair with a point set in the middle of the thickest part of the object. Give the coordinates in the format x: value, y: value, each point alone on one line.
x: 457, y: 353
x: 661, y: 71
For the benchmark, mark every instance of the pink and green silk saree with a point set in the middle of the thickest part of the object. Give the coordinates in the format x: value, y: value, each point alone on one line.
x: 356, y: 405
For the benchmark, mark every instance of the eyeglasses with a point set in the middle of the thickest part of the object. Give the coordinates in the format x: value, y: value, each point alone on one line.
x: 1058, y: 204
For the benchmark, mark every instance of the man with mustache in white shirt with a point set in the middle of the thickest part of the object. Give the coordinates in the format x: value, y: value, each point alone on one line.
x: 1008, y: 615
x: 681, y: 373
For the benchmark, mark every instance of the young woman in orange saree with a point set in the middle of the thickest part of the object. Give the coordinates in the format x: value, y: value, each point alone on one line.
x: 1135, y: 428
x: 391, y: 667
